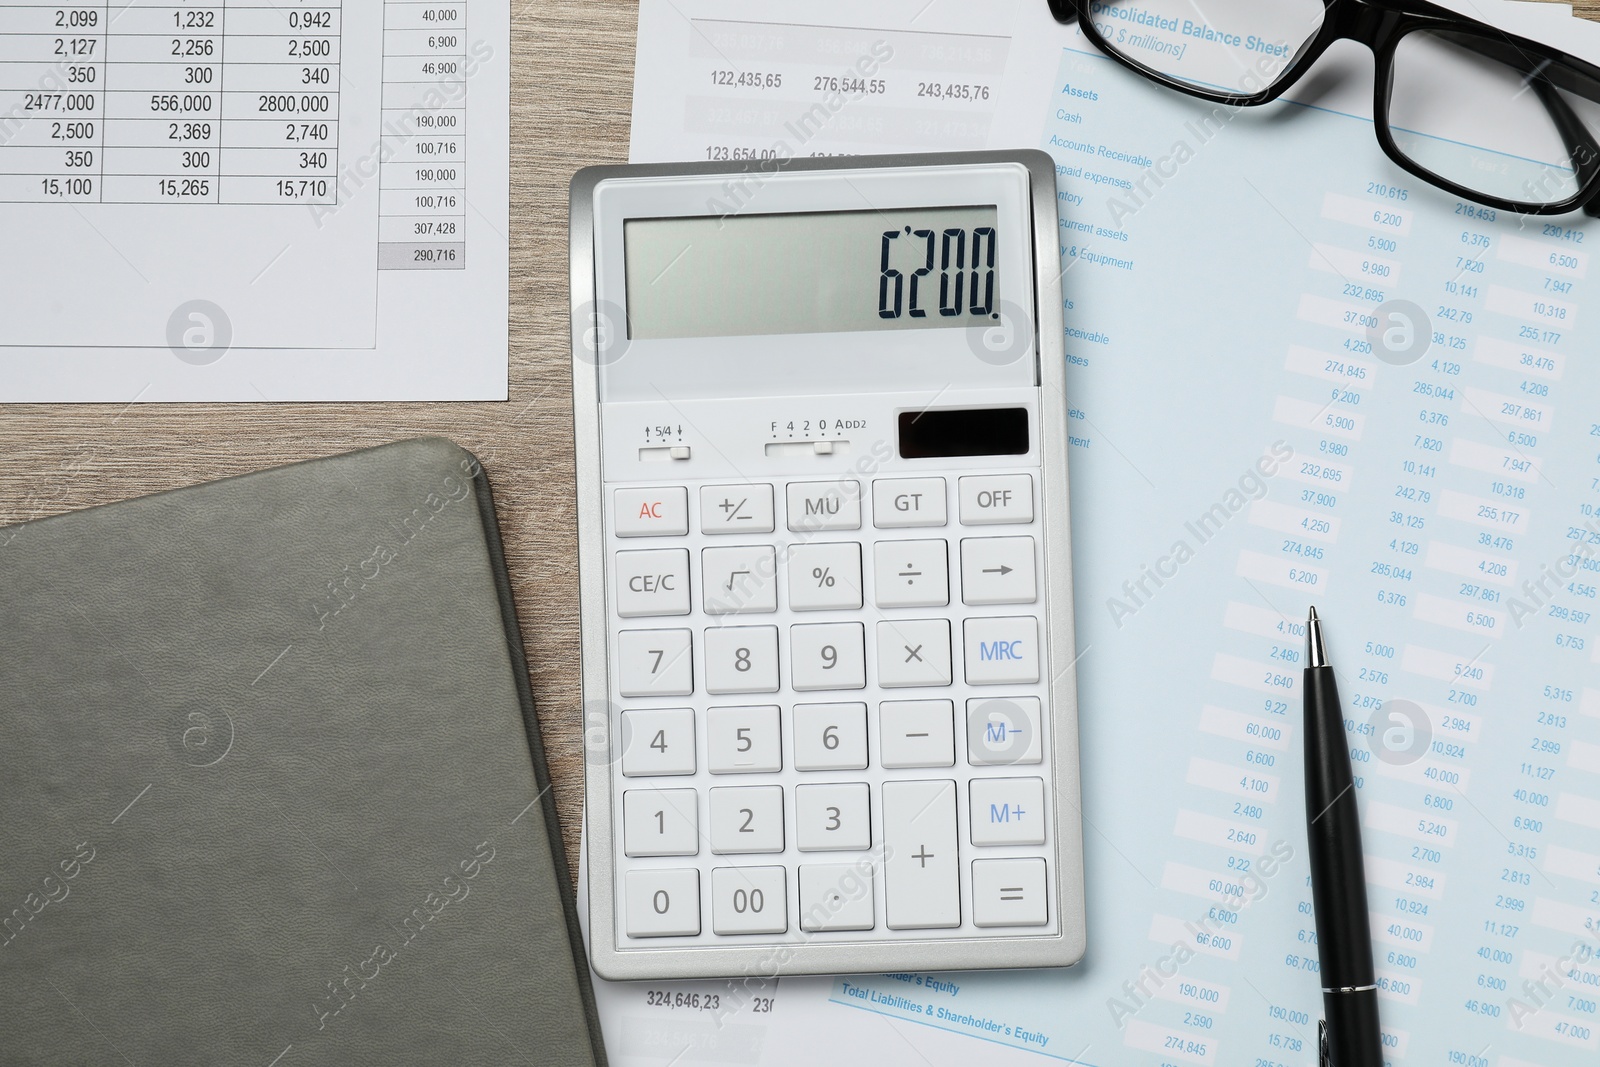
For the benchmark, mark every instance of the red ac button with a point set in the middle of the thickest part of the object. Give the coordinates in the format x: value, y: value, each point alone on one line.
x: 653, y: 511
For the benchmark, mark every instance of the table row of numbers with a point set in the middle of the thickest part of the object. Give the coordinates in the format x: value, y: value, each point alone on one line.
x: 124, y: 19
x: 64, y: 132
x: 18, y: 78
x: 123, y: 47
x: 119, y: 104
x: 176, y: 161
x: 163, y: 189
x: 58, y: 51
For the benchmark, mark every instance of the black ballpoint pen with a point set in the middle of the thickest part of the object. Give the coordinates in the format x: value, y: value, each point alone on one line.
x: 1348, y: 1035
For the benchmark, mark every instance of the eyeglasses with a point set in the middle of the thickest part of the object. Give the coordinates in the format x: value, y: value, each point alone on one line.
x: 1484, y: 114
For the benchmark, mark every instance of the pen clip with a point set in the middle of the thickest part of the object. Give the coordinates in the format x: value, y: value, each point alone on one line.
x: 1322, y: 1044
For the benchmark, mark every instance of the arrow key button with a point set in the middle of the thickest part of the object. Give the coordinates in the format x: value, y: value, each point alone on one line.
x: 998, y: 570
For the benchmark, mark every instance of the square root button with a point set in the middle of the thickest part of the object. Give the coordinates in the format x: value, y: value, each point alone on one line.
x: 1002, y: 651
x: 1010, y: 892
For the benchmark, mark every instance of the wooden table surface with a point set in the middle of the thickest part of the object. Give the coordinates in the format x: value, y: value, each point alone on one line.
x: 572, y: 88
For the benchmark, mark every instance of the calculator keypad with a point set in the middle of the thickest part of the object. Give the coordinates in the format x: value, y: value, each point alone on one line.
x: 837, y: 723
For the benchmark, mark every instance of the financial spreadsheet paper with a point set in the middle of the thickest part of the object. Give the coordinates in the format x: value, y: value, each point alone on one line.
x: 245, y: 200
x: 1259, y: 424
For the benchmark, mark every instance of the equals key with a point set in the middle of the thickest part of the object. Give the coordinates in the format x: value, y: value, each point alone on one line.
x: 1010, y: 892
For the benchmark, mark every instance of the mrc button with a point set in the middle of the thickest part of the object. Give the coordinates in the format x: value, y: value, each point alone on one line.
x: 1002, y: 651
x: 996, y: 498
x: 651, y: 512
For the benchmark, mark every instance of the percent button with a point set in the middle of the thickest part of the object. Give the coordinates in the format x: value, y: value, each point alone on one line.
x: 825, y: 577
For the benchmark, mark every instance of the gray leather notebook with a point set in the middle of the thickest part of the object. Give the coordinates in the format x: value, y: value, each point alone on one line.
x: 271, y: 788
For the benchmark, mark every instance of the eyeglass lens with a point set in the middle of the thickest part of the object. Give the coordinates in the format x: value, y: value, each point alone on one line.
x: 1464, y: 105
x: 1221, y: 46
x: 1474, y: 111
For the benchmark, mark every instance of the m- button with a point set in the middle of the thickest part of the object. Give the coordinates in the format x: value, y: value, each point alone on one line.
x: 652, y: 512
x: 996, y: 498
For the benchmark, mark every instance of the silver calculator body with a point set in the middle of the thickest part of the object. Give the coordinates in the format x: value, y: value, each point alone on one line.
x: 826, y: 590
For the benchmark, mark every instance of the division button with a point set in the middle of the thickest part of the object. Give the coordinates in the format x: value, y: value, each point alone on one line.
x: 656, y: 511
x: 911, y: 574
x: 663, y: 903
x: 921, y: 876
x: 1009, y: 892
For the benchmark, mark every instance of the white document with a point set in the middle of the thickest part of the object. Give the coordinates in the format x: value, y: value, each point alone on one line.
x: 1256, y: 428
x: 236, y: 200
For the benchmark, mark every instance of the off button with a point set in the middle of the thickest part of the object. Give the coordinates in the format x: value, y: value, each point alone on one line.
x: 987, y: 499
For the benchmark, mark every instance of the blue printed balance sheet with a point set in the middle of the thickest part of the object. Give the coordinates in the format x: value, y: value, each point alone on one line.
x: 1299, y: 375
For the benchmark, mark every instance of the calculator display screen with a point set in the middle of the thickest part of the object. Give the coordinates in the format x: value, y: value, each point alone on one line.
x: 814, y: 272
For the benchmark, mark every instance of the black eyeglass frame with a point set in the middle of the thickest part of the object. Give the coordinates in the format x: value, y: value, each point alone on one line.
x: 1381, y: 27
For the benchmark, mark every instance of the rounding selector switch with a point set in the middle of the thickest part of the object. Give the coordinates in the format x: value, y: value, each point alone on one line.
x: 808, y: 448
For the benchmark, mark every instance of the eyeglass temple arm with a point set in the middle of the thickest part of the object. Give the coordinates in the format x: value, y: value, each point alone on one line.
x: 1581, y: 146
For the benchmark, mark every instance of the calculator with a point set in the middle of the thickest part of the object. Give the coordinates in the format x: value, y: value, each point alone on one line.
x: 825, y: 566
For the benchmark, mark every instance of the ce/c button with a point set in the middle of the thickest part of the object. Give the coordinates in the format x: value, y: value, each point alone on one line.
x: 653, y: 582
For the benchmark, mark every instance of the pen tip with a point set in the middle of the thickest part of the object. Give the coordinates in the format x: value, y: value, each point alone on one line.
x: 1316, y: 653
